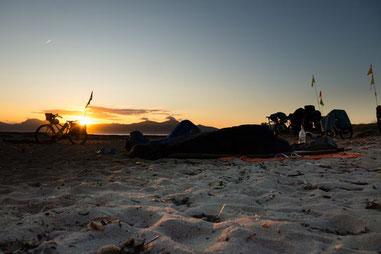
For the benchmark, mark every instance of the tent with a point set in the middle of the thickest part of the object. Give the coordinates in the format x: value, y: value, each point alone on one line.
x: 337, y: 122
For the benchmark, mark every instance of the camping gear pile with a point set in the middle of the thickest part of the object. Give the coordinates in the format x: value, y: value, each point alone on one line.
x: 335, y: 124
x: 254, y: 141
x: 309, y: 117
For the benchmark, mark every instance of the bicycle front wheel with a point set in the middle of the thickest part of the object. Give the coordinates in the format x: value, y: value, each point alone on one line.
x: 346, y: 134
x: 45, y: 134
x: 78, y: 135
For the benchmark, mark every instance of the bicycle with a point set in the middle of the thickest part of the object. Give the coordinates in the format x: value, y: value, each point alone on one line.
x: 54, y: 131
x: 277, y: 125
x: 345, y: 132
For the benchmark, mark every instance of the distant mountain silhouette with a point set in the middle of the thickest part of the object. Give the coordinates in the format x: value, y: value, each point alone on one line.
x: 26, y: 126
x: 146, y: 127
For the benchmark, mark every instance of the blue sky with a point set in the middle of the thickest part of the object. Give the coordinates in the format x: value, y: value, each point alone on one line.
x: 220, y: 63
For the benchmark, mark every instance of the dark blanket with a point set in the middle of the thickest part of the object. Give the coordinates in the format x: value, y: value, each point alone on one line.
x: 240, y: 140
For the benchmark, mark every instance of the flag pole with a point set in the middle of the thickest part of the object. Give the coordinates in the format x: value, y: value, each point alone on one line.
x: 321, y: 102
x: 317, y: 98
x: 375, y: 92
x: 313, y: 83
x: 374, y: 84
x: 88, y: 103
x: 84, y: 114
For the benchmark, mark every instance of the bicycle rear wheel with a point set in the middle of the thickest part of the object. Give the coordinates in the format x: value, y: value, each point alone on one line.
x: 45, y: 134
x: 346, y: 134
x: 77, y: 135
x: 331, y: 133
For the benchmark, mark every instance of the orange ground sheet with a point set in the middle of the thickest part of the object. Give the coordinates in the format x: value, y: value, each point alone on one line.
x: 344, y: 155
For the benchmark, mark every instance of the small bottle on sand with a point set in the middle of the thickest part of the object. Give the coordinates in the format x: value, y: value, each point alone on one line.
x: 302, y: 136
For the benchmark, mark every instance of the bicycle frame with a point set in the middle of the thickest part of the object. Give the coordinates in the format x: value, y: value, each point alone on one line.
x: 59, y: 129
x: 270, y: 123
x: 274, y: 125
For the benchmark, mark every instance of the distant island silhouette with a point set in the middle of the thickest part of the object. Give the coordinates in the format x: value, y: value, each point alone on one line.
x: 146, y: 127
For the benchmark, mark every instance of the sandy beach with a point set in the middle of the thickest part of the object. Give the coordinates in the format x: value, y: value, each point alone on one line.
x: 64, y: 198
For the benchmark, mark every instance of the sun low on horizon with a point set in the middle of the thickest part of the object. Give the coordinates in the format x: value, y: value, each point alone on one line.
x: 216, y: 63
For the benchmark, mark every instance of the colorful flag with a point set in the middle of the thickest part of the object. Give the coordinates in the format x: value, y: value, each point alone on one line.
x: 313, y: 81
x: 370, y: 70
x: 91, y: 97
x: 321, y: 99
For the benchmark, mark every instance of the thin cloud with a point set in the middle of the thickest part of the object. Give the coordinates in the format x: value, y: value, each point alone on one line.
x: 60, y: 111
x: 164, y: 114
x: 128, y: 111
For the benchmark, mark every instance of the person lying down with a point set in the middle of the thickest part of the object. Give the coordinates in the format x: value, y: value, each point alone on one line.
x: 187, y: 138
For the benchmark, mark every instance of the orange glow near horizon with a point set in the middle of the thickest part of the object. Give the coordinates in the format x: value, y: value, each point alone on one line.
x: 88, y: 120
x: 93, y: 116
x: 82, y: 120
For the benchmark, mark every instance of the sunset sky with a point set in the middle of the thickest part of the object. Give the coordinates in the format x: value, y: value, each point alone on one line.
x: 219, y: 63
